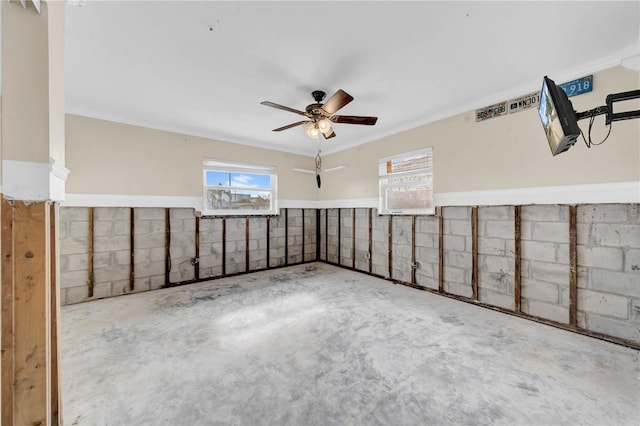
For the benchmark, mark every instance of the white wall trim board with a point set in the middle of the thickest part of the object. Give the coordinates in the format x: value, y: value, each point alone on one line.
x: 31, y: 181
x: 600, y: 193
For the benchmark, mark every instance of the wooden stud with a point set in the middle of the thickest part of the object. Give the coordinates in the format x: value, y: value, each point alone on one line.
x: 370, y: 240
x: 224, y: 246
x: 196, y: 266
x: 56, y: 383
x: 32, y: 314
x: 339, y: 236
x: 318, y: 234
x: 302, y: 234
x: 413, y: 250
x: 7, y: 294
x: 246, y: 244
x: 286, y: 236
x: 573, y: 266
x: 268, y: 238
x: 517, y: 255
x: 440, y: 249
x: 474, y: 252
x: 326, y: 236
x: 390, y: 246
x: 167, y: 243
x: 132, y: 276
x: 353, y: 238
x: 90, y: 280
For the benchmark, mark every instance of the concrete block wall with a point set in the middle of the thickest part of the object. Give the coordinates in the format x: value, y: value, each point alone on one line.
x: 496, y: 260
x: 457, y: 245
x: 323, y: 235
x: 310, y: 235
x: 427, y: 241
x: 182, y: 248
x: 608, y: 238
x: 295, y: 237
x: 380, y: 245
x: 149, y: 248
x: 210, y: 247
x: 545, y: 261
x: 401, y: 247
x: 362, y: 240
x: 346, y: 237
x: 332, y: 235
x: 112, y: 260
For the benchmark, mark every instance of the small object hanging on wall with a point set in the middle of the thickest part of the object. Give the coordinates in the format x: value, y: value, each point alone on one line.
x: 318, y: 168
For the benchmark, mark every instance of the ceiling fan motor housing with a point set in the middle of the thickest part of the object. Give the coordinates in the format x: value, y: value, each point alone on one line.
x: 318, y: 95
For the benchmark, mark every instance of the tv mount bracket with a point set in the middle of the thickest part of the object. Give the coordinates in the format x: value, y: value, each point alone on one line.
x: 608, y: 108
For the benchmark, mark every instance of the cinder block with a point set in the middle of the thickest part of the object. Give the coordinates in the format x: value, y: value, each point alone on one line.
x: 101, y: 290
x: 550, y: 272
x: 458, y: 259
x: 616, y: 235
x: 148, y: 269
x: 602, y: 213
x: 493, y: 246
x: 498, y: 264
x: 612, y: 327
x: 603, y: 304
x: 427, y: 255
x: 111, y: 213
x: 78, y: 230
x: 632, y: 262
x: 498, y: 282
x: 75, y: 295
x: 499, y: 229
x: 540, y: 213
x: 110, y: 273
x: 149, y: 213
x: 146, y: 241
x: 456, y: 212
x: 111, y: 243
x: 427, y: 224
x: 458, y: 289
x: 551, y: 231
x: 601, y: 257
x: 496, y: 299
x: 538, y: 250
x: 72, y: 214
x: 541, y: 291
x: 495, y: 213
x: 457, y: 227
x: 182, y: 213
x: 455, y: 275
x: 74, y: 262
x: 73, y: 279
x: 545, y: 310
x: 455, y: 242
x: 621, y: 283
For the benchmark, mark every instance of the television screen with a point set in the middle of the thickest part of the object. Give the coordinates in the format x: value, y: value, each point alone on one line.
x: 558, y: 117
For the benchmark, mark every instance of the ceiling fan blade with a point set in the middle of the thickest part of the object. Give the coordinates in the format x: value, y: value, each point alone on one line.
x: 329, y: 135
x: 288, y: 126
x: 282, y: 107
x: 354, y: 119
x: 337, y: 101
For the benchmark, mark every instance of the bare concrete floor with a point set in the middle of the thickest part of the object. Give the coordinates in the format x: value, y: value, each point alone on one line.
x: 331, y: 346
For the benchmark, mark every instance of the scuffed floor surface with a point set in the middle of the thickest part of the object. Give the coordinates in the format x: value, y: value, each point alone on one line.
x: 331, y: 347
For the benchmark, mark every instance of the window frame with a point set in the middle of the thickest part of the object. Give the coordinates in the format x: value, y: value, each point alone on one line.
x: 382, y: 186
x: 227, y: 166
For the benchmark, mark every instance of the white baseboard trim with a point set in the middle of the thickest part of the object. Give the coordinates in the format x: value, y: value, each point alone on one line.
x: 601, y: 193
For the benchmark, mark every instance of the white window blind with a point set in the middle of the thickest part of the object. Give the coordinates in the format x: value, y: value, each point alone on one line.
x: 406, y: 183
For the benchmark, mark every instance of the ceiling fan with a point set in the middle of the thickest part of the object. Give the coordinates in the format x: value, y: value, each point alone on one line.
x: 320, y: 116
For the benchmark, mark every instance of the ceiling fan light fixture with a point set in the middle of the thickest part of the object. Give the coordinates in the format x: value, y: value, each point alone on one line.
x: 312, y: 130
x: 324, y: 125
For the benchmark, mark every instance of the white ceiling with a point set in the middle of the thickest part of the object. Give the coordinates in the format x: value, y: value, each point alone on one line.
x: 202, y: 68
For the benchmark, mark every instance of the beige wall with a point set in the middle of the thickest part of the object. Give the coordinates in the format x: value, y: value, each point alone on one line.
x: 111, y: 158
x: 504, y: 152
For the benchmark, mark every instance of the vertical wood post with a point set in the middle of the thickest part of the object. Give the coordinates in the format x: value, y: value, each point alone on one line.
x: 90, y: 278
x: 573, y: 266
x: 268, y: 238
x: 390, y: 246
x: 302, y: 210
x: 246, y: 244
x: 224, y: 246
x: 196, y: 267
x: 286, y: 236
x: 167, y: 243
x: 413, y: 250
x: 353, y: 238
x: 132, y: 232
x: 318, y: 234
x: 8, y: 331
x: 326, y: 234
x: 56, y: 383
x: 517, y: 255
x: 370, y: 240
x: 339, y: 236
x: 440, y: 213
x: 474, y: 252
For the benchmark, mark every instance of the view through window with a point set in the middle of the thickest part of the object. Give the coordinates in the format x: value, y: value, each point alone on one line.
x: 406, y: 183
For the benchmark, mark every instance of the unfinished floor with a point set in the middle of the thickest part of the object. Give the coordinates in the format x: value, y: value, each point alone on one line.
x: 318, y: 345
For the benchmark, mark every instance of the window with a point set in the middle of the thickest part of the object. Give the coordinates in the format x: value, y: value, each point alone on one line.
x: 232, y: 188
x: 406, y: 183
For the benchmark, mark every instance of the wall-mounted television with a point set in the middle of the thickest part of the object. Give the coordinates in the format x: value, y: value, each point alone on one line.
x: 558, y: 117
